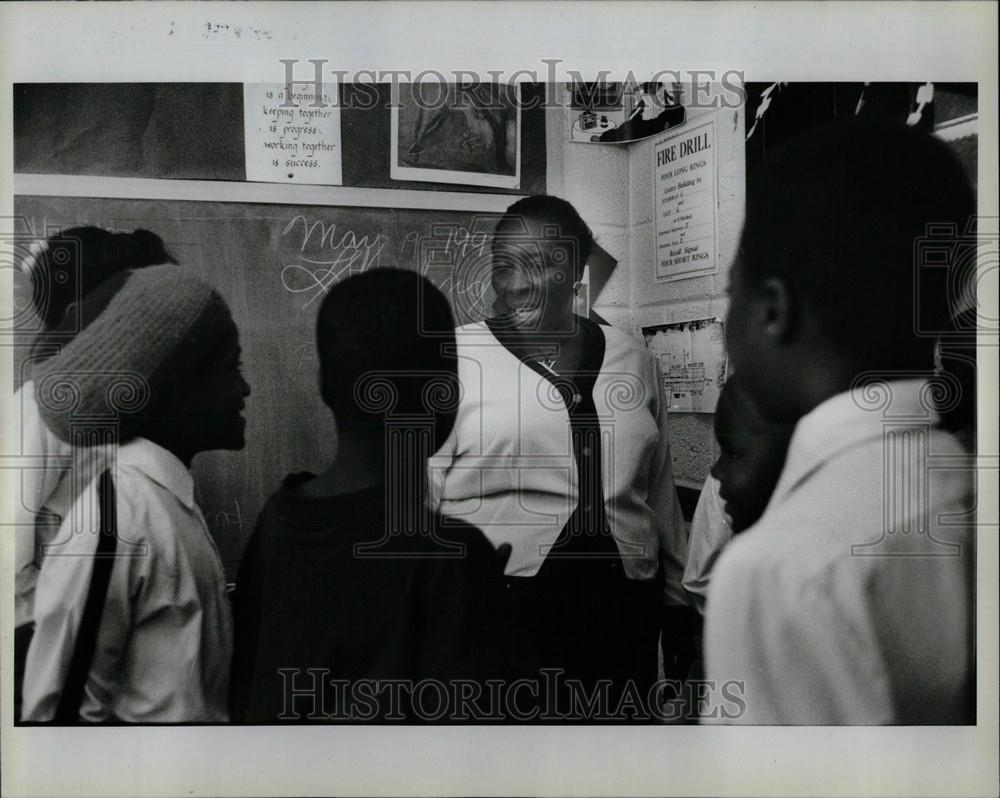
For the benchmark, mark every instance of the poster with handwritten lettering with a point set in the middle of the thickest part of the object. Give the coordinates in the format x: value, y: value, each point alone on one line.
x: 292, y: 139
x: 685, y: 185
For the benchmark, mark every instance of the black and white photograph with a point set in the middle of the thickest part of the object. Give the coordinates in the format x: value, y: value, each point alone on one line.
x: 368, y: 431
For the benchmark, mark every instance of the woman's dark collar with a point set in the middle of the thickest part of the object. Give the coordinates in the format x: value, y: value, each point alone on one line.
x: 532, y: 347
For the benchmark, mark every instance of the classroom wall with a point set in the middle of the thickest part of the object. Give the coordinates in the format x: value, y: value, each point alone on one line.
x: 595, y: 178
x: 611, y: 187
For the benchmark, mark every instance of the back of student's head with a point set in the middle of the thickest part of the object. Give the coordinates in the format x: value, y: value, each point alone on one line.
x: 837, y: 215
x: 386, y: 341
x: 67, y: 266
x: 957, y: 352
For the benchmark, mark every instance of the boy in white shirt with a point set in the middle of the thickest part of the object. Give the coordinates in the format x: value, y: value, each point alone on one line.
x: 851, y: 600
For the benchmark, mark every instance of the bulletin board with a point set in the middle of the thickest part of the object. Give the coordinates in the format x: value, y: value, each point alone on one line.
x: 194, y: 131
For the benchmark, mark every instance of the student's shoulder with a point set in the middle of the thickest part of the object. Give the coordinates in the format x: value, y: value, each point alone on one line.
x: 790, y: 572
x: 755, y: 562
x: 472, y: 332
x: 286, y: 495
x: 285, y: 508
x: 154, y: 491
x: 136, y: 494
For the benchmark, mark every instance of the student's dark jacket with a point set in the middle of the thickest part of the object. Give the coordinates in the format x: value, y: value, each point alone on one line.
x: 325, y: 629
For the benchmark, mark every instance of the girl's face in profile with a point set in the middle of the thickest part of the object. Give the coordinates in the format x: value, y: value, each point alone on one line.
x: 213, y: 402
x: 751, y: 456
x: 534, y: 277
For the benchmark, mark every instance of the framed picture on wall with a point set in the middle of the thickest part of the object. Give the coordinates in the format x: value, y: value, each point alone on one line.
x: 468, y: 135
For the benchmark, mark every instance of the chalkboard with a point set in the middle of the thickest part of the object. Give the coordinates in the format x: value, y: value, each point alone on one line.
x: 195, y: 131
x: 273, y: 264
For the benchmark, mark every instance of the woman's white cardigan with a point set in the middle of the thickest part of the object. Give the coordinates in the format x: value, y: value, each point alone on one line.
x: 508, y: 467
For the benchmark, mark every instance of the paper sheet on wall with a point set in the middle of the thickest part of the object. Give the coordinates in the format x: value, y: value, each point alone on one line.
x: 292, y: 141
x: 692, y: 359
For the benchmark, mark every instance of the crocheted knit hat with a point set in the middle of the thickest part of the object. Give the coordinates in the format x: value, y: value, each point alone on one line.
x: 142, y: 330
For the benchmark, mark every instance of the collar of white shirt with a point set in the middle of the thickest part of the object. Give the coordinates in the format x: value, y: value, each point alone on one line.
x: 852, y: 418
x: 161, y: 466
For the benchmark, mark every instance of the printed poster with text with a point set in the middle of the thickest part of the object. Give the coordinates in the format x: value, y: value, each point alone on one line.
x: 295, y: 139
x: 685, y: 185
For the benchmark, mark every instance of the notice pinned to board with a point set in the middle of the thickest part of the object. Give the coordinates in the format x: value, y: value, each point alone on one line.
x: 292, y: 139
x: 685, y: 188
x: 692, y: 358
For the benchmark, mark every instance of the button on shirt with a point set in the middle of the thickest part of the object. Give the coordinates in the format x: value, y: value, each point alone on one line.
x: 164, y: 646
x: 851, y: 600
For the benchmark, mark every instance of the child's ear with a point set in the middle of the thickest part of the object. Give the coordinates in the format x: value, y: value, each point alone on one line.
x: 777, y: 310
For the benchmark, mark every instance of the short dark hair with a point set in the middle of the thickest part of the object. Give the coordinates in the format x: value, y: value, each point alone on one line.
x: 560, y: 214
x: 957, y: 400
x: 386, y: 346
x: 836, y: 215
x: 736, y: 401
x: 78, y: 259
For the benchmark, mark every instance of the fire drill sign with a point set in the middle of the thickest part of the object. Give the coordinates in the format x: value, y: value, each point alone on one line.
x: 685, y: 186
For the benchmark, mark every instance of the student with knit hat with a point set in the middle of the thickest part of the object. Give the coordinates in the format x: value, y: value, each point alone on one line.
x: 157, y: 368
x: 60, y: 271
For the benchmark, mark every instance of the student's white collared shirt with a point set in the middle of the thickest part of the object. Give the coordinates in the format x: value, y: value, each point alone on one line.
x: 164, y: 646
x: 850, y: 601
x: 50, y: 473
x: 710, y: 532
x: 508, y: 467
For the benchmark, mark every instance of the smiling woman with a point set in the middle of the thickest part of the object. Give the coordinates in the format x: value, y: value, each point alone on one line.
x: 540, y: 247
x: 560, y: 450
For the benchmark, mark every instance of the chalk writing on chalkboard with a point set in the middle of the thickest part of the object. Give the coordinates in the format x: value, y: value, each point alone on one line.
x: 348, y: 252
x: 232, y: 516
x: 457, y: 259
